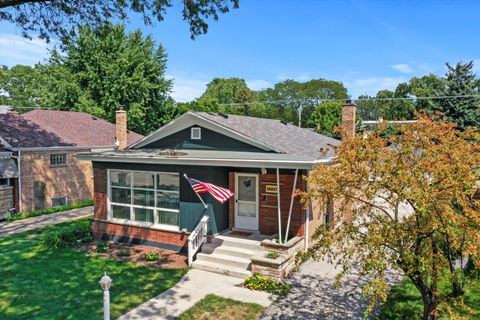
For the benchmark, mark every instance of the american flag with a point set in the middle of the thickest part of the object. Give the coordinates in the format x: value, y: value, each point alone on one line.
x: 219, y: 193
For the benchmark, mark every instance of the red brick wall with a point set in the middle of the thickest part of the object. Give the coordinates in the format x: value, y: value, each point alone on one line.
x: 101, y: 228
x: 100, y: 193
x: 268, y: 213
x: 73, y: 180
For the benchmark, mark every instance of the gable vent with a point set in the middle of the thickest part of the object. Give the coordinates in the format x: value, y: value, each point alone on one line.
x: 196, y: 133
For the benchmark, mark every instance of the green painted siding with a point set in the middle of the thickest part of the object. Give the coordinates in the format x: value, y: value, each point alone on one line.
x: 210, y: 140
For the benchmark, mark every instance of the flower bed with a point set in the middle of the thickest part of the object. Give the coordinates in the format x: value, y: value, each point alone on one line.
x: 279, y: 261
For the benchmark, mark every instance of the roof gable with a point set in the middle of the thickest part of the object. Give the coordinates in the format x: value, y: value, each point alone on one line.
x: 266, y: 134
x: 190, y: 119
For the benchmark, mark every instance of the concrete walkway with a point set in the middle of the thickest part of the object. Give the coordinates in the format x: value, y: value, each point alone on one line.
x: 9, y: 228
x: 195, y: 285
x: 314, y: 296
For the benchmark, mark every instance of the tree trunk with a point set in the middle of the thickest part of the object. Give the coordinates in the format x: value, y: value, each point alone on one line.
x: 429, y: 307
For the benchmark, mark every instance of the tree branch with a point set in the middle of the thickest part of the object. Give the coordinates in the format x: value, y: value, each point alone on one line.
x: 11, y: 3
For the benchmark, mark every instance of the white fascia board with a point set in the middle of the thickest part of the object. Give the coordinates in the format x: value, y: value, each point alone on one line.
x: 244, y: 163
x: 189, y: 119
x: 66, y: 148
x: 5, y: 143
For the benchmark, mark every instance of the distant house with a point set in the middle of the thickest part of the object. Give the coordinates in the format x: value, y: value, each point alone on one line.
x: 38, y: 164
x: 141, y: 193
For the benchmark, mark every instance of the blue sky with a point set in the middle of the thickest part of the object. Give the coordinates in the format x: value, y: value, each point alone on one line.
x: 368, y: 45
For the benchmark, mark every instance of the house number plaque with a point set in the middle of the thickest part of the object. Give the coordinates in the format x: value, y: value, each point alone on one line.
x: 271, y: 188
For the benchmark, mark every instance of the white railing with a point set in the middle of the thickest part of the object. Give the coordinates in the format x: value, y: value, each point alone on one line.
x: 197, y: 238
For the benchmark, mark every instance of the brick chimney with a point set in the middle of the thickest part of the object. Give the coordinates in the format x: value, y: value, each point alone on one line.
x: 121, y: 129
x: 349, y: 111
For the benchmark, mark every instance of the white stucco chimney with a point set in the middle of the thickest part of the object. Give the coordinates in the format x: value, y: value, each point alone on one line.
x: 121, y: 129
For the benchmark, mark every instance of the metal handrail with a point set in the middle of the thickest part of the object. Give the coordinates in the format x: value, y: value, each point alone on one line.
x: 197, y: 238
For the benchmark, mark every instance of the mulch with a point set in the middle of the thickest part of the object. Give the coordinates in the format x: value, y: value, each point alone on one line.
x: 136, y: 253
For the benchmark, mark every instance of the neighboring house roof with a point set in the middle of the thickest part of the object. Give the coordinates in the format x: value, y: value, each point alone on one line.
x: 267, y: 134
x: 8, y: 167
x: 49, y: 128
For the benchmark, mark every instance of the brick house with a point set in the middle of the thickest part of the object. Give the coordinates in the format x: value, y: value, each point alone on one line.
x: 38, y: 163
x: 141, y: 195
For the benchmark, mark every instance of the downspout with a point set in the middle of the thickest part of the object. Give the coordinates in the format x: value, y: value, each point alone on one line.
x: 291, y: 205
x: 278, y: 208
x: 307, y: 221
x: 19, y: 180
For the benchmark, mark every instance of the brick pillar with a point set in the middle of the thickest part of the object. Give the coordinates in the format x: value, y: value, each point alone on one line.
x: 121, y: 128
x: 349, y: 111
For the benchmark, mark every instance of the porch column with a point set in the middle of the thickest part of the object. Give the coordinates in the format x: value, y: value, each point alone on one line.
x: 278, y: 208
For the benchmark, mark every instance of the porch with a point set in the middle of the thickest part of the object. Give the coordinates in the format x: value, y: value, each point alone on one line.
x: 230, y: 253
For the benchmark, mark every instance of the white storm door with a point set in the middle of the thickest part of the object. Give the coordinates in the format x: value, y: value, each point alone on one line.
x: 246, y: 201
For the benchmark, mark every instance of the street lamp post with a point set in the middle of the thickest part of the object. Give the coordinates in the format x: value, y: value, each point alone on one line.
x: 105, y: 283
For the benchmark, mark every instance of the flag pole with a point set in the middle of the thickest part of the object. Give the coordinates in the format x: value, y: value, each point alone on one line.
x: 185, y: 175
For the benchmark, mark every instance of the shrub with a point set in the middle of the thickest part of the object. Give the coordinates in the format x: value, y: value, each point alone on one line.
x: 259, y: 282
x: 102, y: 247
x: 152, y: 256
x: 67, y: 237
x: 30, y: 214
x: 125, y: 252
x: 272, y: 255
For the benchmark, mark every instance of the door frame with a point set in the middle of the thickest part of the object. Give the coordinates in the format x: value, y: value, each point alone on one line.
x: 257, y: 198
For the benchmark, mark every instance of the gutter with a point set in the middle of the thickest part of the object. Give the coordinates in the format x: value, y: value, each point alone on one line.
x: 247, y: 163
x: 64, y: 148
x: 19, y: 160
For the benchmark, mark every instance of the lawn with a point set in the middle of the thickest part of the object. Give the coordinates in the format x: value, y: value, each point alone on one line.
x: 213, y: 307
x: 63, y: 283
x: 404, y: 302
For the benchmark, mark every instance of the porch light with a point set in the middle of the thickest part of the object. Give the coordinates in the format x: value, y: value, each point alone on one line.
x: 105, y: 282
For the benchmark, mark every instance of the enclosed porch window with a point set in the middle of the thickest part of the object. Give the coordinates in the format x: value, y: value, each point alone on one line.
x: 150, y: 198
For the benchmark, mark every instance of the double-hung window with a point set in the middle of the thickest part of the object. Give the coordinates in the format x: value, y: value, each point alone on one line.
x: 145, y: 197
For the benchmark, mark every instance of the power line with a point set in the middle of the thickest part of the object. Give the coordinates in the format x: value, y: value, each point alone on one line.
x: 303, y: 100
x: 358, y: 99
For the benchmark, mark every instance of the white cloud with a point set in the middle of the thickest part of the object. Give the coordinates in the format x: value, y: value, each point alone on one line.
x: 403, y: 68
x: 258, y: 84
x: 187, y: 87
x: 372, y: 85
x: 302, y: 77
x: 15, y: 49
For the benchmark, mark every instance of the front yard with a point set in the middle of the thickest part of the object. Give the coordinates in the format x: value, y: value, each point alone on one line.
x: 63, y: 283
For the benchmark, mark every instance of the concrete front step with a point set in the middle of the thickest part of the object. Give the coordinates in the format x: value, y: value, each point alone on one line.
x: 221, y: 269
x: 236, y: 242
x: 210, y: 248
x: 224, y: 260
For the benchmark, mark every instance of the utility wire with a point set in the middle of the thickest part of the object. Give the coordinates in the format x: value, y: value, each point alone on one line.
x: 303, y: 100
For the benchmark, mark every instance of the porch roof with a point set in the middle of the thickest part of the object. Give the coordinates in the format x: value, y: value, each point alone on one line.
x: 8, y: 167
x: 208, y: 158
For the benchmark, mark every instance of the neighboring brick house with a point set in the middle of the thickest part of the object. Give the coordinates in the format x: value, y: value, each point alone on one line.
x: 141, y: 194
x: 43, y: 145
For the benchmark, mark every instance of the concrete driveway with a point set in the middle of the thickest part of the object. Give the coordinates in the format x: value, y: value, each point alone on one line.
x: 314, y: 296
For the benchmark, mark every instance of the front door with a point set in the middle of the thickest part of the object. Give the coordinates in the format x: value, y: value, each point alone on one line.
x: 246, y: 201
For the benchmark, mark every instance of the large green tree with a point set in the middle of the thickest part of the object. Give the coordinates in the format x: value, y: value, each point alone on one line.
x: 295, y: 101
x: 326, y: 117
x: 58, y: 18
x: 99, y: 71
x: 461, y: 83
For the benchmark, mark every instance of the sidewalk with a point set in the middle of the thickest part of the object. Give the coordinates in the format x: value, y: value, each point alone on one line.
x: 195, y: 285
x: 9, y: 228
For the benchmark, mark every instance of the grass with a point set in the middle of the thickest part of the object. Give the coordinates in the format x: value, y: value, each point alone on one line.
x: 405, y: 302
x: 63, y: 283
x: 25, y: 215
x: 213, y: 307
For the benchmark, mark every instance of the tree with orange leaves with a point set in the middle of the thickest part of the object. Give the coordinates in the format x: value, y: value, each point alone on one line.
x: 403, y: 202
